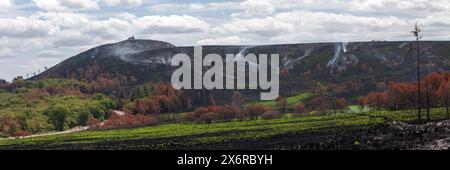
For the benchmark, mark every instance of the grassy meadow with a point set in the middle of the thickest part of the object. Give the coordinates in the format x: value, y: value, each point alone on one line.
x: 257, y: 134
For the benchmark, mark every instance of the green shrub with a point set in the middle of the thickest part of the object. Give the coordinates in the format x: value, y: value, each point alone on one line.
x: 58, y: 115
x: 38, y: 124
x: 271, y: 115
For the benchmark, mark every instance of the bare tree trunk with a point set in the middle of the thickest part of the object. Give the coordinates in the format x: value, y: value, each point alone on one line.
x: 427, y: 99
x: 416, y: 32
x: 447, y: 105
x: 448, y: 114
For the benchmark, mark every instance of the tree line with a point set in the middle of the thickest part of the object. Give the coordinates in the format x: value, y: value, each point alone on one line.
x: 434, y: 89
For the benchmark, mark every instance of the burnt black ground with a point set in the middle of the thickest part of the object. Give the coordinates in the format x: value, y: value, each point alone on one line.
x: 390, y: 136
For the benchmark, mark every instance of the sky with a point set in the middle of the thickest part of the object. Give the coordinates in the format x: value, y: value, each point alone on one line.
x: 35, y: 34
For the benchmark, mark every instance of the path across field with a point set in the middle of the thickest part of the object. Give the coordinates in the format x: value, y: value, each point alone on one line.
x: 76, y: 129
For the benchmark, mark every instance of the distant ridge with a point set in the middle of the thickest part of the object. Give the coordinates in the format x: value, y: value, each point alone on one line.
x: 365, y: 65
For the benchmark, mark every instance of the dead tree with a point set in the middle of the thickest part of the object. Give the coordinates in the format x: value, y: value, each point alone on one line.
x: 416, y: 32
x: 427, y: 98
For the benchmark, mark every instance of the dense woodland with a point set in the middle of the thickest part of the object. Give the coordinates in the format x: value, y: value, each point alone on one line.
x: 39, y: 106
x: 435, y: 92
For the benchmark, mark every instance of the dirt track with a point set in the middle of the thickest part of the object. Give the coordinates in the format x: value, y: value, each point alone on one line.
x: 76, y: 129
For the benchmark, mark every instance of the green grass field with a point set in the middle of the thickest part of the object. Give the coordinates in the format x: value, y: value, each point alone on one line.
x: 227, y: 135
x: 291, y: 100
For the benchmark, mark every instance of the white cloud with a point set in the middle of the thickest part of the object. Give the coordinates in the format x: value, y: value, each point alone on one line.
x: 231, y: 40
x: 306, y: 26
x: 267, y: 27
x: 6, y: 4
x: 126, y: 16
x: 24, y: 44
x: 5, y: 52
x: 441, y: 19
x: 173, y: 24
x: 436, y: 26
x: 417, y: 5
x: 124, y: 3
x: 258, y: 8
x: 197, y: 6
x: 22, y: 27
x: 50, y: 53
x: 66, y: 5
x: 321, y: 26
x: 64, y: 19
x: 111, y: 29
x: 67, y: 27
x: 253, y: 7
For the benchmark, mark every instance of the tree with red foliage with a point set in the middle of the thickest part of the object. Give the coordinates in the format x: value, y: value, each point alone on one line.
x: 141, y: 106
x: 404, y: 95
x: 208, y: 117
x: 227, y: 113
x: 362, y: 103
x: 213, y: 113
x: 401, y: 96
x: 432, y: 84
x: 319, y: 103
x: 35, y: 95
x: 9, y: 125
x: 54, y: 89
x: 301, y: 108
x: 282, y: 104
x: 189, y: 117
x: 271, y: 115
x: 154, y: 105
x: 211, y: 100
x: 175, y: 102
x: 127, y: 121
x: 159, y: 98
x: 165, y: 103
x: 339, y: 104
x: 92, y: 121
x: 237, y: 100
x: 256, y: 110
x: 376, y: 101
x: 443, y: 93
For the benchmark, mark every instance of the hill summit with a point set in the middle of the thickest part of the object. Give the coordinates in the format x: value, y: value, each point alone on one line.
x: 333, y: 67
